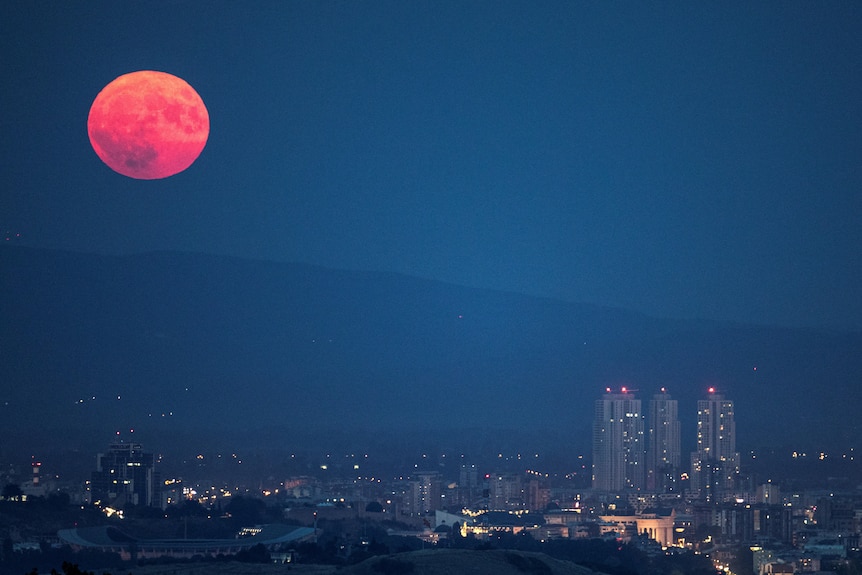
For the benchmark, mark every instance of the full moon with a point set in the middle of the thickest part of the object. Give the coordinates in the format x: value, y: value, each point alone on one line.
x: 148, y: 125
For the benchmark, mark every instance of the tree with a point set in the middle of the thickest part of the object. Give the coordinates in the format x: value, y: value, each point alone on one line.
x: 393, y: 566
x: 186, y: 508
x: 378, y: 548
x: 743, y: 561
x: 68, y: 569
x: 71, y: 569
x: 8, y: 546
x: 12, y: 492
x: 246, y: 511
x: 58, y: 501
x: 255, y: 554
x: 456, y: 540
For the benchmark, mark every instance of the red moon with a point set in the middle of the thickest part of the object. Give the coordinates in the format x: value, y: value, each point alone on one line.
x: 148, y: 125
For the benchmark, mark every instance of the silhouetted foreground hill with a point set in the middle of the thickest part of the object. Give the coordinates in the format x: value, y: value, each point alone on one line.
x: 428, y: 562
x: 183, y: 344
x: 226, y: 568
x: 457, y: 561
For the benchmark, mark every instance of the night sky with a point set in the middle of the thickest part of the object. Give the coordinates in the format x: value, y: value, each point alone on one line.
x: 686, y: 160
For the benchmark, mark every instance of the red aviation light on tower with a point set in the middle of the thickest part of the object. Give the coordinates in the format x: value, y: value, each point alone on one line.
x: 624, y: 389
x: 607, y: 390
x: 664, y: 390
x: 711, y: 390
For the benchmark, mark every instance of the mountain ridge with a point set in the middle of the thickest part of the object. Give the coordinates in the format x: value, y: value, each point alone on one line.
x: 219, y: 342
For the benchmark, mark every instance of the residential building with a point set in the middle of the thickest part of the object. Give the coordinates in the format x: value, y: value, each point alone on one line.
x: 618, y: 443
x: 663, y: 443
x: 715, y: 464
x: 125, y: 474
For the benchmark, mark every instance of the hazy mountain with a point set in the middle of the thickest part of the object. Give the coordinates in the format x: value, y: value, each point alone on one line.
x: 234, y: 347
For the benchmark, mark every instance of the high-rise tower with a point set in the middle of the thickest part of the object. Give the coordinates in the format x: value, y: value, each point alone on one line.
x: 715, y: 464
x: 663, y: 443
x: 423, y: 495
x: 125, y: 474
x: 618, y: 442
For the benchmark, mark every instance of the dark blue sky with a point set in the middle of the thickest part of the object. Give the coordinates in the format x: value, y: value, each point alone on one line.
x: 681, y: 159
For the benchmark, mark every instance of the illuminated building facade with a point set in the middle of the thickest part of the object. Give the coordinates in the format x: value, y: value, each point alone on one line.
x: 663, y: 443
x: 469, y: 486
x: 423, y: 495
x: 538, y: 495
x: 125, y: 474
x: 618, y: 443
x: 715, y: 464
x: 506, y: 492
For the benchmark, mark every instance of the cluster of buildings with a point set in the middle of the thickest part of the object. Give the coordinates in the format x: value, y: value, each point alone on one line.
x: 634, y: 451
x: 125, y: 474
x: 641, y: 489
x: 638, y: 466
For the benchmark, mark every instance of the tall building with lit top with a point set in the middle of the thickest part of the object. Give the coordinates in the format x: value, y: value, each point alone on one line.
x: 125, y: 474
x: 663, y: 443
x: 715, y: 464
x: 618, y: 443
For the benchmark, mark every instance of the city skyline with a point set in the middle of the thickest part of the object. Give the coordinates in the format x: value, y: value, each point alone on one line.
x: 795, y: 526
x: 769, y: 507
